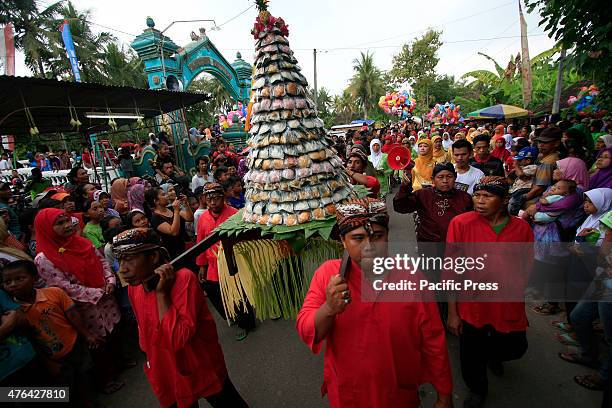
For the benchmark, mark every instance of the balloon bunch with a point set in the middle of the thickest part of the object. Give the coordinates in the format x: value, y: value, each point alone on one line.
x: 584, y: 103
x: 447, y: 113
x: 397, y: 103
x: 240, y: 111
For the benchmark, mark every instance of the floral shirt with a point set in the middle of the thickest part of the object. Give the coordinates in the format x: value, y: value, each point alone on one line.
x: 100, y: 312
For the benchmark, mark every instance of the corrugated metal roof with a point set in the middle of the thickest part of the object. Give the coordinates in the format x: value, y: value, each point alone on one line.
x: 49, y: 100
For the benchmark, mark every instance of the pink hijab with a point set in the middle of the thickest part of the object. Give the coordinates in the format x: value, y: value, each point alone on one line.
x: 575, y: 169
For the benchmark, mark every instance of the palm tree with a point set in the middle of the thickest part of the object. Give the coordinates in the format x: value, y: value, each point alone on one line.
x: 221, y: 100
x: 122, y: 68
x: 344, y: 106
x: 32, y: 33
x: 89, y: 46
x: 366, y: 85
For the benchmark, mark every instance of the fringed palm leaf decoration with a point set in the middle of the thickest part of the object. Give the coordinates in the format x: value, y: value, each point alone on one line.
x: 273, y: 277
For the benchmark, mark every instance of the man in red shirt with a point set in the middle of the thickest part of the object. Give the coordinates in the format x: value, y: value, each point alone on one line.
x: 490, y: 332
x: 377, y: 354
x: 175, y: 328
x: 218, y: 211
x: 356, y: 164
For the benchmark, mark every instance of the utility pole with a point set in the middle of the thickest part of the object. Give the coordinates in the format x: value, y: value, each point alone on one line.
x: 559, y: 85
x: 316, y: 92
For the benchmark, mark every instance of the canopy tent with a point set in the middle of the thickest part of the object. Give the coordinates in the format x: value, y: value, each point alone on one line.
x: 49, y: 103
x: 368, y: 122
x: 499, y: 111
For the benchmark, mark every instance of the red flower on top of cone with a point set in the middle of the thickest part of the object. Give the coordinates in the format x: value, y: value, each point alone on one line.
x: 266, y: 22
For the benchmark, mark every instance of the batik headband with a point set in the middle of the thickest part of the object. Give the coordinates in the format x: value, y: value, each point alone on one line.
x: 213, y: 188
x: 361, y: 213
x: 493, y: 184
x: 134, y: 241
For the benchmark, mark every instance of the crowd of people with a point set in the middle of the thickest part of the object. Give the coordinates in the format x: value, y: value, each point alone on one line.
x: 82, y: 265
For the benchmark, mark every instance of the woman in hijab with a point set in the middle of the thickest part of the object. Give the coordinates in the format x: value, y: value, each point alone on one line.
x: 499, y: 148
x: 136, y: 197
x: 422, y: 173
x: 439, y: 154
x: 470, y: 136
x: 447, y: 142
x: 381, y: 166
x: 572, y: 168
x: 598, y: 202
x: 70, y: 262
x: 602, y: 142
x: 603, y: 175
x: 119, y: 191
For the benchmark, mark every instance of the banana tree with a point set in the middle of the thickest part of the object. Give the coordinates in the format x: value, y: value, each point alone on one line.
x: 505, y: 85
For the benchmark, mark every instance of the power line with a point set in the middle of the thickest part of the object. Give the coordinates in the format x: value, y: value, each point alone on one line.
x: 321, y: 50
x: 237, y: 15
x: 401, y: 45
x: 437, y: 25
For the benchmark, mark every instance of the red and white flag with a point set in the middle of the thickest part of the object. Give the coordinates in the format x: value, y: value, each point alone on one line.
x: 7, y: 50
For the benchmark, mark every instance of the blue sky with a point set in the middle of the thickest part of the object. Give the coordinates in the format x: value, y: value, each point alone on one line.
x: 339, y: 28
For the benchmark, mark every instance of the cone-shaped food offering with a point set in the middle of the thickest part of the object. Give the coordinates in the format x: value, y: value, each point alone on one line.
x: 295, y: 175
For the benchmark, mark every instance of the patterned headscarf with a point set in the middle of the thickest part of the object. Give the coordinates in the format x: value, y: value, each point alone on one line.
x: 136, y: 197
x: 361, y: 213
x: 134, y: 241
x: 493, y: 184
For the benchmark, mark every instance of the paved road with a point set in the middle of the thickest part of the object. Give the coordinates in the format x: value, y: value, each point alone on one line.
x: 272, y: 368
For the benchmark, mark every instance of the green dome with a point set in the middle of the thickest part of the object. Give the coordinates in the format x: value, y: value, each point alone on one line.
x: 243, y: 68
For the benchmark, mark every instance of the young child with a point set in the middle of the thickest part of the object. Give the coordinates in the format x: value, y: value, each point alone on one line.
x: 597, y: 203
x: 234, y: 193
x: 137, y: 219
x: 56, y: 326
x: 558, y: 191
x: 105, y: 201
x: 19, y: 365
x: 94, y: 212
x: 111, y: 226
x: 510, y: 163
x: 525, y: 173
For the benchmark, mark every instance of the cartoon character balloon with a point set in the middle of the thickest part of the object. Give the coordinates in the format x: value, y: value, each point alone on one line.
x: 445, y: 113
x: 397, y: 103
x: 585, y: 102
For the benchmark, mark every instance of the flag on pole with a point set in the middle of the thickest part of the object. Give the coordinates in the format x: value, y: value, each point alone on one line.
x: 526, y: 62
x: 69, y: 44
x: 7, y: 50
